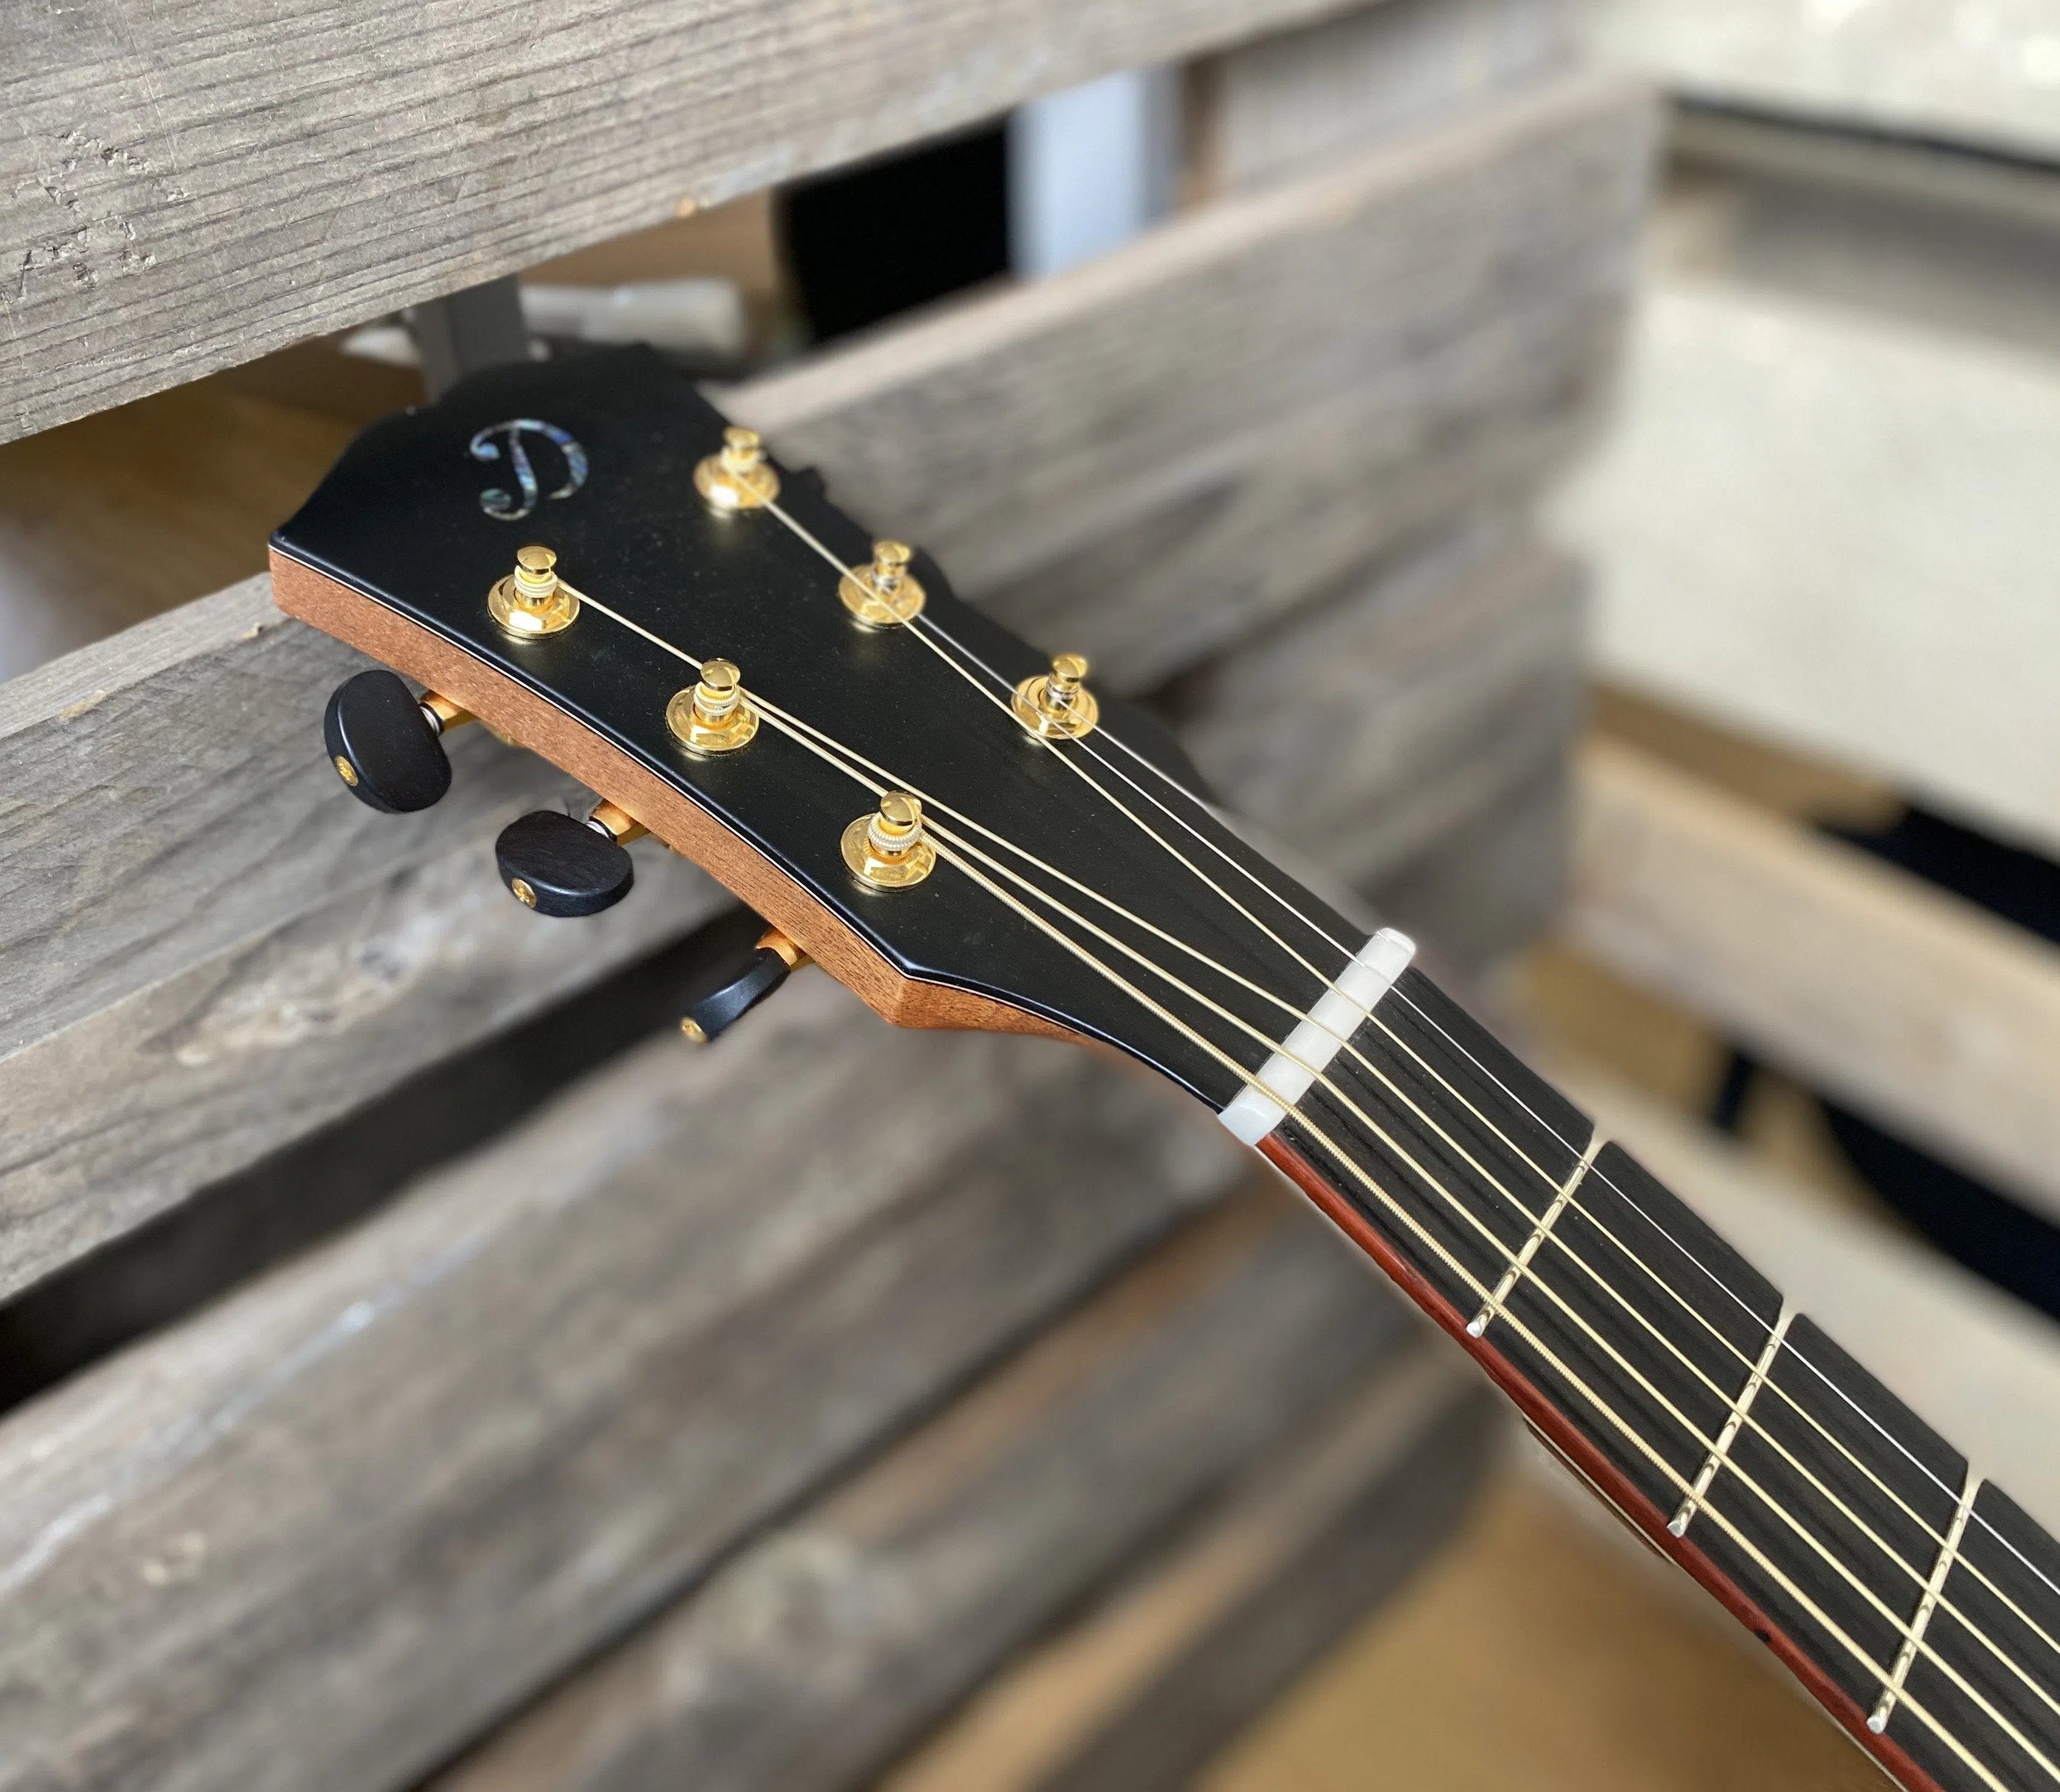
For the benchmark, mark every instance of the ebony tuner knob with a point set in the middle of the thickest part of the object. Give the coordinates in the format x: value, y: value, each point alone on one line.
x: 383, y: 741
x: 739, y: 962
x: 558, y: 866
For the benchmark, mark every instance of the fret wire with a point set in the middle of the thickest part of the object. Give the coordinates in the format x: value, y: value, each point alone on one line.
x: 1594, y: 1399
x: 1762, y: 1373
x: 1839, y: 1505
x: 1477, y: 1326
x: 926, y: 626
x: 1817, y: 1425
x: 1747, y: 1479
x: 1679, y: 1523
x: 922, y: 624
x: 1933, y: 1592
x: 1895, y: 1442
x: 1795, y: 1351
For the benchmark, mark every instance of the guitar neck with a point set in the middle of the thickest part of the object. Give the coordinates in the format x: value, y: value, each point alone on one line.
x: 1912, y: 1597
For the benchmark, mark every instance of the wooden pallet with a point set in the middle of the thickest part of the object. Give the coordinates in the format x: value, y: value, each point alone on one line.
x: 442, y: 1345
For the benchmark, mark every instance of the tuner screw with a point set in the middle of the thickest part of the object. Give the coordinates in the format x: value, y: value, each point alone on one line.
x: 531, y: 601
x: 740, y: 477
x: 1056, y: 705
x: 884, y: 594
x: 887, y: 850
x: 714, y: 715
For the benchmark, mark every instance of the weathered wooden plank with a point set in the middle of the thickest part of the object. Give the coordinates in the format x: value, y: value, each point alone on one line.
x: 1142, y: 1691
x: 1494, y: 884
x: 321, y: 1534
x: 1258, y: 398
x: 344, y: 169
x: 1292, y: 100
x: 1769, y: 550
x: 1977, y: 72
x: 182, y: 875
x: 1404, y: 710
x: 829, y: 1644
x: 1922, y: 1010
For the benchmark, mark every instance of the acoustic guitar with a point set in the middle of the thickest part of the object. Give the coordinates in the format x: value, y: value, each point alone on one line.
x: 582, y: 555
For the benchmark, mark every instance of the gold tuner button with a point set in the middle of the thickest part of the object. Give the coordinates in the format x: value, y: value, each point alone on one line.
x: 740, y: 477
x: 531, y: 601
x: 713, y: 716
x: 1055, y: 704
x: 885, y: 593
x: 887, y: 850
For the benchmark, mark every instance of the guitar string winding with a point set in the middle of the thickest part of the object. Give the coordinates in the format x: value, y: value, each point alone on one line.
x: 951, y: 851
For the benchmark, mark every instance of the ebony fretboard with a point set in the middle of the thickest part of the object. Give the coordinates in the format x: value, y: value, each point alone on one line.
x: 1730, y: 1429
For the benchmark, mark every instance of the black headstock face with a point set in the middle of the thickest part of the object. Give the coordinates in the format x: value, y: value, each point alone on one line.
x: 594, y: 458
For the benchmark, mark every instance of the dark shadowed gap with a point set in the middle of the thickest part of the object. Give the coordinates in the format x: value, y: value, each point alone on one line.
x: 869, y: 242
x: 311, y: 1190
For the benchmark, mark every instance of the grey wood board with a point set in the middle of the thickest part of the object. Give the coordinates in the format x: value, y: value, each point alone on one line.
x: 180, y: 867
x: 1210, y: 415
x: 837, y: 1639
x: 1292, y: 100
x: 320, y: 1534
x: 1495, y: 883
x: 1362, y: 1505
x: 188, y: 187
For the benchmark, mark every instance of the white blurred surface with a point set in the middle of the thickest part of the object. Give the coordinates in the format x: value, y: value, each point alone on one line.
x: 1842, y: 531
x: 1088, y: 169
x: 1977, y: 71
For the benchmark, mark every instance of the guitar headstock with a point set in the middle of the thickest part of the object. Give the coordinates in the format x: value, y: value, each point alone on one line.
x: 578, y: 554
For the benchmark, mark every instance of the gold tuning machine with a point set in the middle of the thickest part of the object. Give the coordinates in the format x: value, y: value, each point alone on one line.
x: 530, y: 602
x: 884, y: 594
x: 1056, y: 705
x: 714, y: 715
x: 739, y: 477
x: 888, y: 849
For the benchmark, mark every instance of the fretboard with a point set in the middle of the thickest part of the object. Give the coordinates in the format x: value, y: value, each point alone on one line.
x: 1913, y: 1598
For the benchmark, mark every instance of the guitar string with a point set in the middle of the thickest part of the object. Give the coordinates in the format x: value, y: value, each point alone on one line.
x: 836, y: 562
x: 1001, y: 704
x: 927, y: 628
x: 933, y: 634
x: 1451, y: 1201
x: 1823, y: 1619
x: 1588, y: 1269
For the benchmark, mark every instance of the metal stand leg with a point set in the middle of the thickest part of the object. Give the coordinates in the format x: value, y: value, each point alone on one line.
x: 480, y: 327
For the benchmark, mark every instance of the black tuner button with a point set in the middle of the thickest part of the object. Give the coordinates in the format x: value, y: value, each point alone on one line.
x: 739, y: 962
x: 383, y: 743
x: 558, y: 866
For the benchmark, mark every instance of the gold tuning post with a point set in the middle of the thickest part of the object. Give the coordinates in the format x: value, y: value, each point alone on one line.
x: 713, y: 716
x: 739, y: 477
x: 1056, y: 705
x: 619, y: 824
x: 530, y: 602
x: 445, y: 715
x: 884, y: 594
x: 887, y: 850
